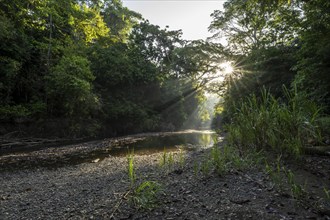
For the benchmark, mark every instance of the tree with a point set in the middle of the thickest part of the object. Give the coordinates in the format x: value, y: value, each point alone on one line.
x: 119, y: 19
x: 261, y: 37
x: 250, y: 25
x: 88, y: 24
x: 83, y: 62
x: 69, y: 88
x: 198, y: 61
x: 313, y: 64
x: 157, y: 45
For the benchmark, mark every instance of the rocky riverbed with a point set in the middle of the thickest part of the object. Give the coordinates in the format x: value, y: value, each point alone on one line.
x: 68, y: 183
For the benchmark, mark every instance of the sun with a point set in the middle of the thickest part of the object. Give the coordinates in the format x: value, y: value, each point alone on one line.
x: 224, y: 69
x: 227, y: 68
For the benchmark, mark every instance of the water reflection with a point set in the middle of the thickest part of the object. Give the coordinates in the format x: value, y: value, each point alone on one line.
x: 155, y: 144
x: 145, y: 144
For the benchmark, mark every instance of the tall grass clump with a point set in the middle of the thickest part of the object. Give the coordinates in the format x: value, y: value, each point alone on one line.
x: 172, y: 160
x: 227, y: 158
x: 130, y: 168
x: 282, y: 125
x: 146, y: 195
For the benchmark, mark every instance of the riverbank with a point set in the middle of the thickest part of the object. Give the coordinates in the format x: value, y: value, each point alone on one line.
x: 100, y: 189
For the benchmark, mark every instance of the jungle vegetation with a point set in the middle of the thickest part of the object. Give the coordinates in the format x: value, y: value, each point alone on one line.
x: 96, y: 68
x: 90, y: 68
x: 278, y: 95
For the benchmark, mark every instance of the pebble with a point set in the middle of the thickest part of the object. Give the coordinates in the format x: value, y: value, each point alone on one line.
x: 92, y: 191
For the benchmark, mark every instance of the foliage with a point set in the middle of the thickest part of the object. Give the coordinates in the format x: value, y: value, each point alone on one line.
x: 96, y: 62
x: 162, y: 161
x: 69, y: 87
x: 170, y: 160
x: 157, y: 45
x: 252, y: 25
x: 145, y: 195
x: 313, y: 56
x: 268, y: 123
x: 19, y: 111
x: 196, y: 168
x: 327, y: 193
x: 130, y: 168
x: 272, y: 44
x: 222, y: 160
x: 181, y: 158
x: 89, y: 24
x: 219, y: 162
x: 99, y: 61
x: 275, y: 172
x: 296, y: 189
x: 205, y: 166
x: 284, y: 180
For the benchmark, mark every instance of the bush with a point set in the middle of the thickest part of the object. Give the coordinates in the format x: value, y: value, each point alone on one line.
x: 269, y: 123
x: 14, y: 112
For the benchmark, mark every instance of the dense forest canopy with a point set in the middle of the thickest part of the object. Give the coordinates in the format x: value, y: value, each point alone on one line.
x: 82, y: 68
x: 278, y: 94
x: 274, y: 44
x: 95, y: 67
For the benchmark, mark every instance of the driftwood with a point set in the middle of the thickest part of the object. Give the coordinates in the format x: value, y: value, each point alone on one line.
x: 118, y: 204
x: 25, y: 142
x: 11, y: 145
x: 317, y: 150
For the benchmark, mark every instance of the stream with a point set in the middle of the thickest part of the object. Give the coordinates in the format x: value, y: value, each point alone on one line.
x: 95, y: 151
x: 185, y: 140
x: 89, y: 181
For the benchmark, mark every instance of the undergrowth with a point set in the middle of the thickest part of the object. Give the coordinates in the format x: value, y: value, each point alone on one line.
x: 284, y: 180
x: 171, y: 160
x: 285, y: 127
x: 226, y: 158
x: 130, y: 168
x: 143, y: 195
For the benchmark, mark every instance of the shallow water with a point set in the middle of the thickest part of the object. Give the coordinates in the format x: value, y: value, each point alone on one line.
x: 188, y: 140
x: 141, y: 144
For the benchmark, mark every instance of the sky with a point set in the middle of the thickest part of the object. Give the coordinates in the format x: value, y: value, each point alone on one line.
x: 191, y: 16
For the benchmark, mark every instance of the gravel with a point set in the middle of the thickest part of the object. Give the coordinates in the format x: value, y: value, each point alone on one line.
x: 100, y: 190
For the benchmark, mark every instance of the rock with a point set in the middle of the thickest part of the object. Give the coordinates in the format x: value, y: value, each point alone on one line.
x: 89, y: 191
x: 240, y: 201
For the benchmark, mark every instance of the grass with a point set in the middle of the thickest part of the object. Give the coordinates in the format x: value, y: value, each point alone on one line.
x: 170, y: 160
x: 130, y: 168
x: 206, y: 166
x: 182, y: 158
x: 226, y: 158
x: 281, y: 126
x: 284, y: 179
x: 297, y: 191
x: 218, y: 160
x: 196, y: 168
x: 327, y: 193
x: 285, y: 127
x: 163, y: 158
x: 145, y: 195
x: 275, y: 172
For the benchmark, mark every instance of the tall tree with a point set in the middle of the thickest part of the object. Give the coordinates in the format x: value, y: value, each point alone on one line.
x: 313, y: 64
x: 250, y: 25
x: 119, y: 19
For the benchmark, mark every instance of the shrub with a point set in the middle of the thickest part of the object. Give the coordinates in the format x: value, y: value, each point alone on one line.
x: 269, y: 123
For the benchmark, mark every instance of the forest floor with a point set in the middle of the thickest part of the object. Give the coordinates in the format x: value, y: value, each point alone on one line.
x: 71, y: 182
